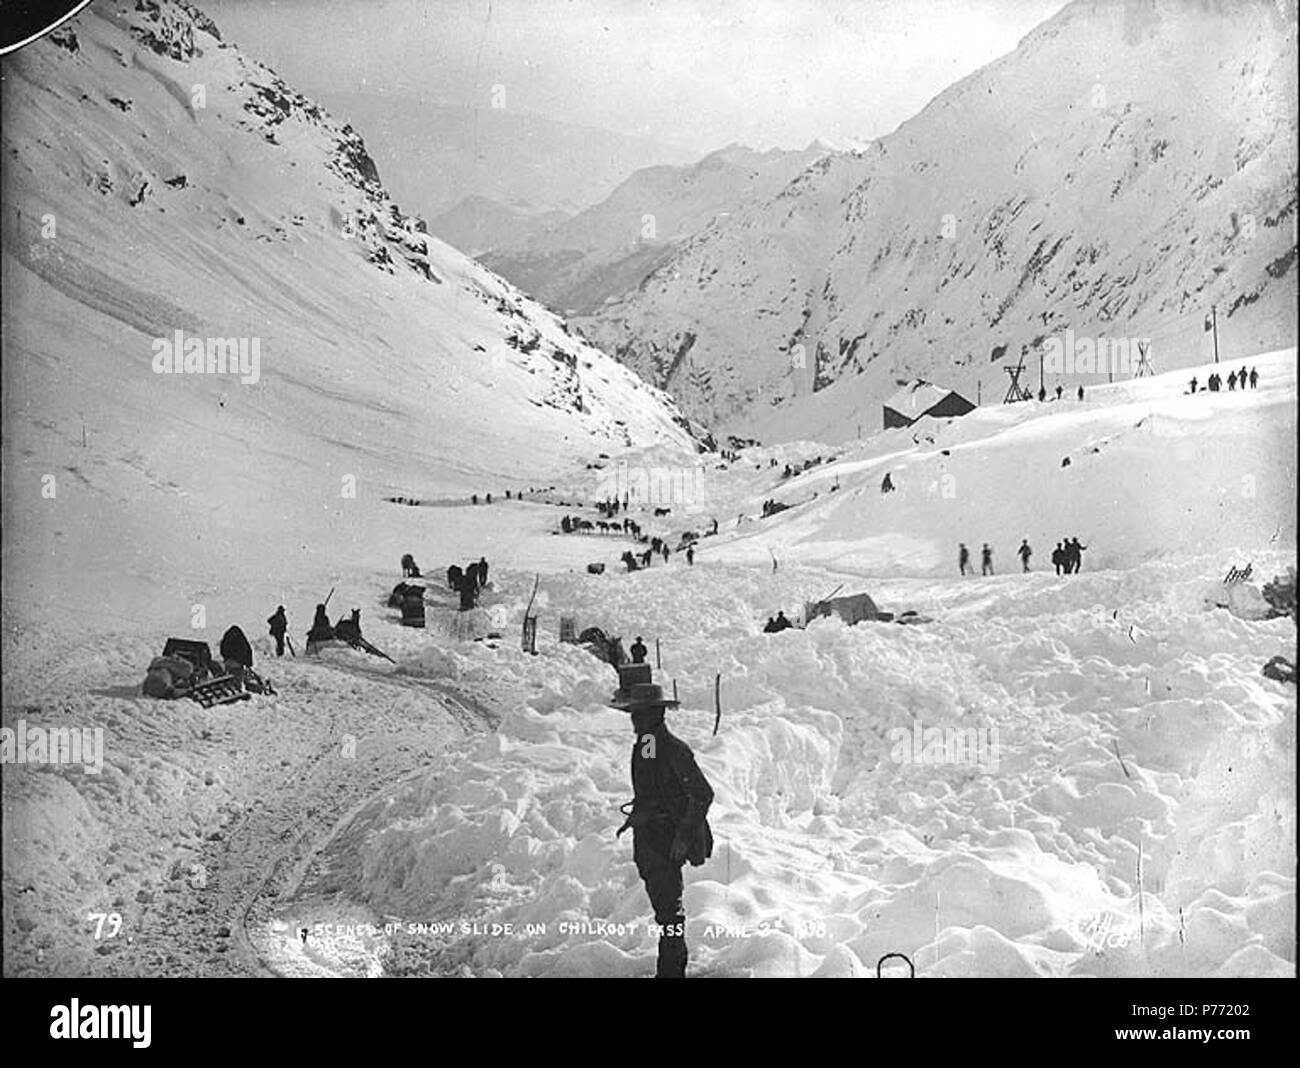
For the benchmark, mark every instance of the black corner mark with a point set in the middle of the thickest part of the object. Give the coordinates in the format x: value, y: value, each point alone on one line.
x: 28, y: 20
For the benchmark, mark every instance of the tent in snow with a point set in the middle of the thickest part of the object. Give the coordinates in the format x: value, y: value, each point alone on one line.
x: 852, y: 609
x: 920, y: 398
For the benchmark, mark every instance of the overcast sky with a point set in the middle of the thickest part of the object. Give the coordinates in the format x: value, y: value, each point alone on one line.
x: 697, y: 73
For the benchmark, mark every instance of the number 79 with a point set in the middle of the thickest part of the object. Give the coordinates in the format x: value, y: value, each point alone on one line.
x: 114, y: 922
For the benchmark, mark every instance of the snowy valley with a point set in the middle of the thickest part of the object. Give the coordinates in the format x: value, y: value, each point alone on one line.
x: 1041, y: 775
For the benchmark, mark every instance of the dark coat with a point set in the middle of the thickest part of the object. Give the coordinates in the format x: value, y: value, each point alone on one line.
x: 321, y: 631
x: 234, y: 646
x: 670, y: 790
x: 468, y: 593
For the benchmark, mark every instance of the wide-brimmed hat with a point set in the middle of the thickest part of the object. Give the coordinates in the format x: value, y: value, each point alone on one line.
x: 644, y: 695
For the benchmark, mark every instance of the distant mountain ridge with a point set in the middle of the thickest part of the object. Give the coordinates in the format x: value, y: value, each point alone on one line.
x: 608, y: 250
x: 433, y: 155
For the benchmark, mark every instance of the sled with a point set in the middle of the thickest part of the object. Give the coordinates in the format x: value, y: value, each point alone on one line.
x: 223, y: 690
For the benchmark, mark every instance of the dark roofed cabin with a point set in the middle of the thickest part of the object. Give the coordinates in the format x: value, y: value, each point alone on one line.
x: 920, y: 398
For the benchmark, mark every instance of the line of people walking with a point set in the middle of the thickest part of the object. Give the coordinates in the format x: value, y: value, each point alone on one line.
x: 1238, y: 378
x: 964, y: 564
x: 1066, y: 557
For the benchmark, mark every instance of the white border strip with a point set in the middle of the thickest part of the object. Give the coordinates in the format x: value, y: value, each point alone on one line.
x: 52, y: 26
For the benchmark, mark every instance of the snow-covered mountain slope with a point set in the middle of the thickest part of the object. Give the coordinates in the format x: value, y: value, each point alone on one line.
x: 608, y: 250
x: 158, y: 181
x: 1125, y: 169
x: 433, y: 155
x: 478, y: 224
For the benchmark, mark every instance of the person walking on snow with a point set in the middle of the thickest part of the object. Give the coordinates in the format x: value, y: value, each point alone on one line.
x: 690, y: 555
x: 1254, y: 378
x: 482, y: 571
x: 963, y: 558
x: 638, y: 651
x: 279, y: 624
x: 1058, y: 557
x: 668, y: 819
x: 1024, y: 552
x: 986, y: 560
x: 1076, y: 554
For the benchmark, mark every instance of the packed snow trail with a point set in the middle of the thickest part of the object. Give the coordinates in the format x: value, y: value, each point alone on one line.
x: 201, y: 814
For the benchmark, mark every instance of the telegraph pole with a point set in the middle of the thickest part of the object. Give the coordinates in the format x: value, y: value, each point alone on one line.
x: 1214, y: 319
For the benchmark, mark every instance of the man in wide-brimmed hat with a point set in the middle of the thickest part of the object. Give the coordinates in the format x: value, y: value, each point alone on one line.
x: 670, y: 800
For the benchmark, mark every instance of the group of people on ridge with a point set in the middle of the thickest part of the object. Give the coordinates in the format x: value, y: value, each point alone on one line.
x: 1066, y: 557
x: 1236, y: 378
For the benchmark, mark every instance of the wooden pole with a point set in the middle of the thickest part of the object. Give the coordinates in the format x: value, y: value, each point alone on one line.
x: 658, y: 664
x: 674, y: 689
x: 1214, y: 318
x: 717, y: 705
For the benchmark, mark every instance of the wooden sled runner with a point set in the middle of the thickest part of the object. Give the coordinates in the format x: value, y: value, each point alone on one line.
x: 223, y: 690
